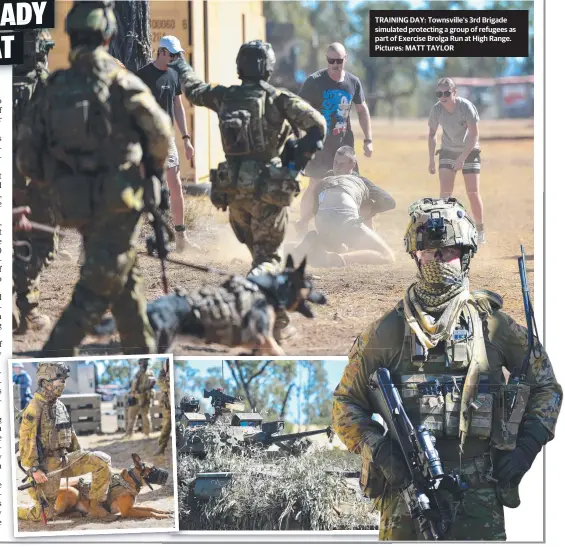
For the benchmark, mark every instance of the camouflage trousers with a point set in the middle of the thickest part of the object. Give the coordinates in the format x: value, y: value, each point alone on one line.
x: 165, y: 428
x: 42, y: 248
x: 133, y: 412
x: 479, y: 518
x: 261, y: 227
x: 81, y: 462
x: 109, y: 279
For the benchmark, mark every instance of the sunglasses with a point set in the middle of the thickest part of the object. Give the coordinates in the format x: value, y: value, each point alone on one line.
x: 440, y: 94
x: 332, y: 61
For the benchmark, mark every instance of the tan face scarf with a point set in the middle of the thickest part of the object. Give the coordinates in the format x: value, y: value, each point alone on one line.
x: 441, y: 288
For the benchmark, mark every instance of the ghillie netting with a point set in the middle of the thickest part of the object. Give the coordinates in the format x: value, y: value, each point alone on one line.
x: 273, y: 493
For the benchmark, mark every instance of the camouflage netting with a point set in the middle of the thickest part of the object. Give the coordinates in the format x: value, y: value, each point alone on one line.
x: 282, y: 493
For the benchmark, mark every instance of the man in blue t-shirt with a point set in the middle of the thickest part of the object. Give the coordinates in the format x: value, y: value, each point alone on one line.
x: 332, y: 91
x: 21, y: 378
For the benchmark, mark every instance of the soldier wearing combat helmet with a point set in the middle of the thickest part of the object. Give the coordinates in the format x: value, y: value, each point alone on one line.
x: 164, y: 382
x: 140, y: 399
x: 445, y: 348
x: 28, y: 80
x: 256, y: 124
x: 50, y: 451
x: 96, y: 140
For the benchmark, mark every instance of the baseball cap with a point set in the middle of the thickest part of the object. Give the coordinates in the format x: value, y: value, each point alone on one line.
x: 172, y: 43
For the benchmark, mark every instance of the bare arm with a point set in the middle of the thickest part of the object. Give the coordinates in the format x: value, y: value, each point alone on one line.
x: 432, y: 143
x: 180, y: 115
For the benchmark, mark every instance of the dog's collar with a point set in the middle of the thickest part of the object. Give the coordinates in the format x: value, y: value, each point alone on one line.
x: 138, y: 483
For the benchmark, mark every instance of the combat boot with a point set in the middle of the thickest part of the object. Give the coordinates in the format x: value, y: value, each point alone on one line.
x: 33, y: 320
x: 282, y: 329
x: 96, y: 511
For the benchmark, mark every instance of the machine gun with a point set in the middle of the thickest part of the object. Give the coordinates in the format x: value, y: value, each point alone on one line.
x: 266, y: 437
x: 432, y: 513
x: 220, y: 400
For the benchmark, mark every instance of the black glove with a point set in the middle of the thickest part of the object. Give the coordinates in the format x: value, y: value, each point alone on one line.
x: 180, y: 66
x: 511, y: 466
x: 388, y: 457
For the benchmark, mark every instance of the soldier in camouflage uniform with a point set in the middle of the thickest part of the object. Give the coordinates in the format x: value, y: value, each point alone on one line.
x: 84, y: 142
x: 50, y: 451
x: 458, y: 341
x: 164, y: 382
x: 27, y: 83
x: 140, y: 399
x: 256, y: 121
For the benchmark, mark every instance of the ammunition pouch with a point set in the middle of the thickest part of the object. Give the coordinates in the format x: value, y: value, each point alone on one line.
x: 372, y: 481
x: 280, y: 186
x: 508, y: 416
x: 272, y: 183
x: 132, y: 401
x: 222, y: 189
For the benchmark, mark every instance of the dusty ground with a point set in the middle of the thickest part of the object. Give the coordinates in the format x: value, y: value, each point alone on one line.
x: 162, y: 497
x: 358, y: 294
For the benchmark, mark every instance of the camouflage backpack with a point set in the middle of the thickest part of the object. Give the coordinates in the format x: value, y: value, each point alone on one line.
x: 241, y: 117
x: 79, y: 119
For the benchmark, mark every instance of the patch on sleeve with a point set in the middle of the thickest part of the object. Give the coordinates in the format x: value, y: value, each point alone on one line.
x: 30, y: 417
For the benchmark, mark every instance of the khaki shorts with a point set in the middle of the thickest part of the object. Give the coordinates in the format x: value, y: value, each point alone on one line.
x: 173, y: 155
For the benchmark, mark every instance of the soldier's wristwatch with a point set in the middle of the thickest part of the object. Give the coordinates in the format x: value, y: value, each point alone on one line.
x: 367, y: 141
x: 33, y: 469
x: 187, y: 136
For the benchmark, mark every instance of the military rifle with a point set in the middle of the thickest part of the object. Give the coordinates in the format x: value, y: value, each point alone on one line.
x: 433, y: 515
x: 517, y: 391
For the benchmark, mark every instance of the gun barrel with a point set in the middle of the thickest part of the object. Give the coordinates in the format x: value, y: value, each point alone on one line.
x: 290, y: 436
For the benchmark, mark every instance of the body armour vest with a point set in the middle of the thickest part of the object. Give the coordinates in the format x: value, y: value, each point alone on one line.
x: 451, y: 392
x: 251, y: 125
x: 220, y: 314
x: 55, y: 428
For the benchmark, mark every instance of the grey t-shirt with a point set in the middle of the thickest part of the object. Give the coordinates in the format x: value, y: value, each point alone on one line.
x: 454, y: 124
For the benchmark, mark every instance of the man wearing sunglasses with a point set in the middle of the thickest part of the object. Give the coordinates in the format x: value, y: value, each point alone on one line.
x: 332, y: 91
x: 459, y: 150
x: 165, y: 86
x: 446, y: 349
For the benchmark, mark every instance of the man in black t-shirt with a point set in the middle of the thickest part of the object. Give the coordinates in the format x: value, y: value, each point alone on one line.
x: 332, y: 91
x: 165, y: 86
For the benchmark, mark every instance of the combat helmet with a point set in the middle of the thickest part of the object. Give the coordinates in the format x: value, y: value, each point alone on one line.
x: 189, y: 404
x: 255, y: 61
x: 438, y: 223
x: 92, y: 18
x: 52, y: 371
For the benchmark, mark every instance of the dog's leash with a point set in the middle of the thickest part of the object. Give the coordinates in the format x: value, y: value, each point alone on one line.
x: 208, y: 269
x: 192, y: 265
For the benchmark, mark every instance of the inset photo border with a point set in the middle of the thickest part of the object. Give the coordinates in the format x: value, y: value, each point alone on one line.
x: 113, y: 415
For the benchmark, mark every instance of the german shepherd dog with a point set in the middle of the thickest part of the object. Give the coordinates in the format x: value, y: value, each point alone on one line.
x: 239, y: 313
x: 124, y: 489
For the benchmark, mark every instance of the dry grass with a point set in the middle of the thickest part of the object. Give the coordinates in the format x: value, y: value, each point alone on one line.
x: 282, y: 493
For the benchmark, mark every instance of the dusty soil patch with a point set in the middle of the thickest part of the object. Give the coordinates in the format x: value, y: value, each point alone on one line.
x: 358, y: 294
